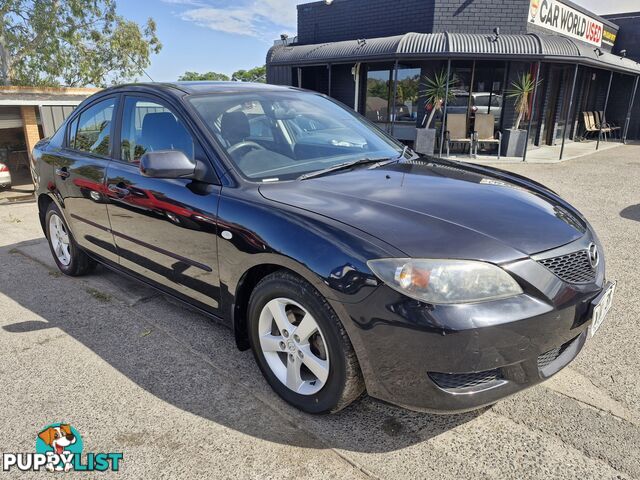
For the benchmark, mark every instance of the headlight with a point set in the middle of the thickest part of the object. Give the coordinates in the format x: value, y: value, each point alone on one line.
x: 445, y: 281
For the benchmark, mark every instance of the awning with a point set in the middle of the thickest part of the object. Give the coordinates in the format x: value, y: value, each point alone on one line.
x: 531, y: 47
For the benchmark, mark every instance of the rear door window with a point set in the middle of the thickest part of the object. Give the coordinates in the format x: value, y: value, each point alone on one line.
x: 91, y: 132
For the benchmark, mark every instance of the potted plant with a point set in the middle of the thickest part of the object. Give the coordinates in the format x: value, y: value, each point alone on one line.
x: 514, y: 140
x: 435, y: 90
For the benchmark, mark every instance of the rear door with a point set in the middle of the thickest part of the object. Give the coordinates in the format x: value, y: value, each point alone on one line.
x: 80, y: 175
x: 164, y: 229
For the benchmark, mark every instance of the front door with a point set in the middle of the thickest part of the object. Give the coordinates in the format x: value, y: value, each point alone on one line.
x: 80, y: 173
x: 165, y: 229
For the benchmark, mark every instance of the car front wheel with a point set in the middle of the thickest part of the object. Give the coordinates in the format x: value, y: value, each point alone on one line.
x: 301, y: 345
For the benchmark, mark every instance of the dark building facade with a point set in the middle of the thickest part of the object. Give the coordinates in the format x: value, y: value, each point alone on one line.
x: 349, y: 19
x: 376, y: 56
x: 629, y: 40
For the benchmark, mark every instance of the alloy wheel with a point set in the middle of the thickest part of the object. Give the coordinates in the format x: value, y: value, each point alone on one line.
x: 293, y: 346
x: 59, y: 238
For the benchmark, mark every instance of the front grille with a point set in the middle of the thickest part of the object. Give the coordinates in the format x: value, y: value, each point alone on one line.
x: 465, y: 380
x: 572, y: 268
x: 550, y: 356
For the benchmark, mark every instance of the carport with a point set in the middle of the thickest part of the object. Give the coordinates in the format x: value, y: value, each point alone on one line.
x: 28, y: 114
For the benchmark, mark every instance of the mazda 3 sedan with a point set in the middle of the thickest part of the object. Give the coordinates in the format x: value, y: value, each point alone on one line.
x: 346, y: 262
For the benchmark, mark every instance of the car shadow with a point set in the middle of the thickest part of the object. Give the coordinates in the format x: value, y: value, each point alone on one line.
x: 191, y: 362
x: 632, y: 212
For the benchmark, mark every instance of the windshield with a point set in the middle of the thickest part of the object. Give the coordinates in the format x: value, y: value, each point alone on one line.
x: 272, y: 136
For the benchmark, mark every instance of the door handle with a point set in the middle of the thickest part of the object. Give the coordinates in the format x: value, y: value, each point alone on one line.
x: 119, y: 191
x: 62, y: 172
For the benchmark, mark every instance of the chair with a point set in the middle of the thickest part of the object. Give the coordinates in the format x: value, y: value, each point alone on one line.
x: 484, y: 132
x: 589, y: 124
x: 457, y: 131
x: 600, y: 128
x: 599, y: 117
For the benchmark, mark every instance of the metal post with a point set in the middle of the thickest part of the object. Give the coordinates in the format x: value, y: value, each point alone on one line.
x: 356, y: 80
x: 566, y: 119
x: 628, y: 119
x: 533, y: 111
x: 505, y: 79
x: 329, y: 79
x: 604, y: 111
x: 444, y: 113
x: 473, y: 78
x: 392, y: 111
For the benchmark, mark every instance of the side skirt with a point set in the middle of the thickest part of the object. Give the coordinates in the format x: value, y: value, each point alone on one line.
x: 189, y: 303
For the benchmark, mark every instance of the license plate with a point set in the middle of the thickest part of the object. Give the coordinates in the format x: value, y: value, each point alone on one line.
x: 601, y: 309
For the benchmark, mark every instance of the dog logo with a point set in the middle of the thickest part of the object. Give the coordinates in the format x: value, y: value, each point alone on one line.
x: 60, y: 439
x: 63, y: 441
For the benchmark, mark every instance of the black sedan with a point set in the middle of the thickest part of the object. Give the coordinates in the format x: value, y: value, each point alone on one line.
x: 342, y: 259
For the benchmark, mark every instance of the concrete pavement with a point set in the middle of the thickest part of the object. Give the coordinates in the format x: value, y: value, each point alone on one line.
x: 140, y: 374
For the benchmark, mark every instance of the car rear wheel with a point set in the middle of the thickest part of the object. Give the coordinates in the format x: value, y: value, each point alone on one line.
x: 301, y: 346
x: 69, y: 258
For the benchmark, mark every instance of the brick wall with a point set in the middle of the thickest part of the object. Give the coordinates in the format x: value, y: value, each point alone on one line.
x: 30, y: 126
x: 480, y: 16
x: 352, y: 19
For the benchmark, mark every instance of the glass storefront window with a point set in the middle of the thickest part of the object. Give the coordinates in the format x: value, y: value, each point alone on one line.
x: 488, y: 89
x: 407, y: 94
x: 462, y: 72
x: 378, y: 95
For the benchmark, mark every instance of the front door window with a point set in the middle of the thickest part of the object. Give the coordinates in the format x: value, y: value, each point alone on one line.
x: 150, y: 126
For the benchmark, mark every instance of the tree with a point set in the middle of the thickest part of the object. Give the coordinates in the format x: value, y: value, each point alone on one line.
x: 195, y: 76
x: 256, y: 74
x: 73, y: 42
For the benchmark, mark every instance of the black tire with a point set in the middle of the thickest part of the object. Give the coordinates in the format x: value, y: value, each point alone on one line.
x: 80, y: 263
x: 344, y: 383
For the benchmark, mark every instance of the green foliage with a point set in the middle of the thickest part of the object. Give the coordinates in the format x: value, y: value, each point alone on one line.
x: 520, y: 91
x: 71, y: 42
x: 377, y: 88
x: 408, y: 89
x: 435, y: 89
x: 195, y: 76
x: 257, y: 74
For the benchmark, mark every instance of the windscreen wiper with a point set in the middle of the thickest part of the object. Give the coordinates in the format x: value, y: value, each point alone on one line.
x: 341, y: 166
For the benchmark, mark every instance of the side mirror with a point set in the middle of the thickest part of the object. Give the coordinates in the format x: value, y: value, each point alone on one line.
x: 167, y: 164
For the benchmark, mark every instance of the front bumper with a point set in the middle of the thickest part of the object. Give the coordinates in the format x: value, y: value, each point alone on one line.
x: 454, y: 358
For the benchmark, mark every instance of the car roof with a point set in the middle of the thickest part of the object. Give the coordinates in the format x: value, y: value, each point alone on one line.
x: 204, y: 87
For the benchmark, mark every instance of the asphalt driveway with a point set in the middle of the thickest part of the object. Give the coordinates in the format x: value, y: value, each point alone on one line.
x: 137, y: 373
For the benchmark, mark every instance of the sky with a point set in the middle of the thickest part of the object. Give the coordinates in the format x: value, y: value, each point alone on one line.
x: 226, y: 35
x: 212, y: 35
